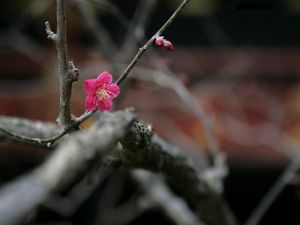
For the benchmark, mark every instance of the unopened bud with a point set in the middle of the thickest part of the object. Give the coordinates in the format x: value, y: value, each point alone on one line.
x: 169, y: 46
x: 159, y: 41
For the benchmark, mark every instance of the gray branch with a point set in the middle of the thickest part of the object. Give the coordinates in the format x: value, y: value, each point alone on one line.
x: 136, y: 28
x: 30, y: 128
x: 159, y: 195
x: 37, y: 133
x: 143, y: 149
x: 67, y: 71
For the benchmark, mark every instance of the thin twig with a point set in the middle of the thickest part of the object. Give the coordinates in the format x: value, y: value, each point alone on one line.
x: 67, y: 205
x: 143, y: 49
x: 159, y: 195
x: 92, y: 22
x: 136, y: 29
x: 274, y: 192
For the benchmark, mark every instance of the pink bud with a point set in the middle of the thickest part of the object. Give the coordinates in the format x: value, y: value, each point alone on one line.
x: 159, y: 41
x: 168, y: 45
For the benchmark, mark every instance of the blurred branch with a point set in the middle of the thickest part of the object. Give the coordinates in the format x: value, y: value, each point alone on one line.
x: 136, y: 28
x: 141, y: 149
x: 92, y: 22
x: 158, y: 194
x: 263, y: 206
x: 67, y: 205
x: 111, y: 8
x: 108, y: 208
x: 70, y: 159
x: 31, y: 133
x: 166, y: 78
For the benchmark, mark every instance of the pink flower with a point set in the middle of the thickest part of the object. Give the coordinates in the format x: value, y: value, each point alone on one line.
x: 100, y: 92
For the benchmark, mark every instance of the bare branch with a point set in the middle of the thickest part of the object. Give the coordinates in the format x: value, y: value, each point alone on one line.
x: 67, y: 205
x: 32, y: 128
x: 143, y: 49
x: 136, y: 28
x: 32, y: 134
x: 159, y: 195
x: 92, y: 22
x: 274, y: 191
x: 29, y: 131
x: 67, y: 71
x: 99, y: 31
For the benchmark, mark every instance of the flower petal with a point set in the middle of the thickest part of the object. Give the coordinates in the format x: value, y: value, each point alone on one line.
x: 90, y: 86
x: 105, y: 105
x: 104, y: 79
x: 90, y: 103
x: 113, y: 90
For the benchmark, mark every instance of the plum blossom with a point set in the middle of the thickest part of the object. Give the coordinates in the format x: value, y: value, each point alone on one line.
x: 100, y: 92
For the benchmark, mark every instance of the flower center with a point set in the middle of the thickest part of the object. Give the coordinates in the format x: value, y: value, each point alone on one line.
x: 101, y: 94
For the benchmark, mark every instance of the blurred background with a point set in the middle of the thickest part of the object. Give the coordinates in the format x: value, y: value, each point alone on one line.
x: 238, y: 59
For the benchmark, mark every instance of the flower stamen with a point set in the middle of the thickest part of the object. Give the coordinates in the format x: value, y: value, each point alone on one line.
x: 101, y: 94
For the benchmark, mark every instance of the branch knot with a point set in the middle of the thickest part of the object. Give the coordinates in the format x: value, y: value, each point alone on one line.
x: 73, y: 72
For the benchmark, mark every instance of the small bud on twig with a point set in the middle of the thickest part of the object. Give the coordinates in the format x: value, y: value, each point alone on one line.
x: 160, y: 41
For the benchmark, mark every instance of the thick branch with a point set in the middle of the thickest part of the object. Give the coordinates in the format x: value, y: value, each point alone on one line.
x: 143, y: 149
x: 72, y: 157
